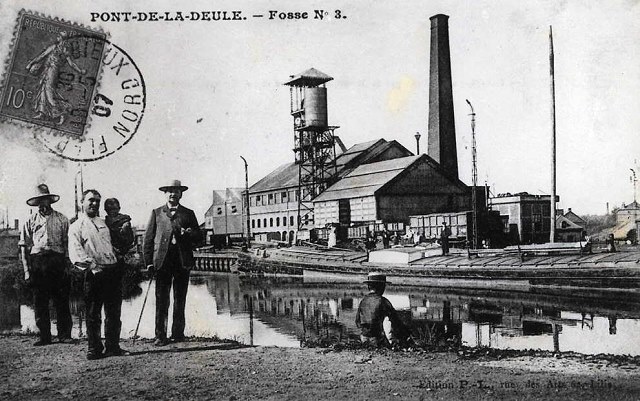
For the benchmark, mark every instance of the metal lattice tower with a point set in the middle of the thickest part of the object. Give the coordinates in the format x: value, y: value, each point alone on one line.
x: 474, y: 176
x: 314, y: 141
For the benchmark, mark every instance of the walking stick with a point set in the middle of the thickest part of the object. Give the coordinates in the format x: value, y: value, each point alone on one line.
x: 135, y: 334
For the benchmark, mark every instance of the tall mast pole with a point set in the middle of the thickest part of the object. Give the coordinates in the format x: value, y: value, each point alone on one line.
x: 474, y: 176
x: 552, y: 230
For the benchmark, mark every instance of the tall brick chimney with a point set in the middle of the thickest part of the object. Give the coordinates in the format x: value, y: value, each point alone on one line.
x: 442, y: 130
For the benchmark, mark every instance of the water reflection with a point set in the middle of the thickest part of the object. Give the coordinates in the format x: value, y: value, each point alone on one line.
x: 282, y: 312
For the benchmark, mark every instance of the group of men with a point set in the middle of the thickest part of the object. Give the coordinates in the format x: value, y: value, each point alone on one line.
x: 96, y: 247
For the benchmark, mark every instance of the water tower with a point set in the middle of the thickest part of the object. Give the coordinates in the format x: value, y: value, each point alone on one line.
x: 314, y: 141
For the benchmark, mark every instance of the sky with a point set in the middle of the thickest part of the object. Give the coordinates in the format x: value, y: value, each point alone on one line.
x: 230, y: 75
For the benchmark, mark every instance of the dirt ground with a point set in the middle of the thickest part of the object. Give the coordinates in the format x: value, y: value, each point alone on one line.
x: 202, y: 369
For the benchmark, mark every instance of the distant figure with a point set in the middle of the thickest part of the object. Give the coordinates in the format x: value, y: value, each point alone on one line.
x: 396, y: 238
x: 370, y: 240
x: 444, y: 238
x: 386, y: 238
x: 376, y: 317
x: 611, y: 243
x: 119, y: 227
x: 333, y: 237
x: 43, y: 244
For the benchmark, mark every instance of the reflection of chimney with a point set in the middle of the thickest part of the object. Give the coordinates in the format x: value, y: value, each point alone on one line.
x: 442, y: 131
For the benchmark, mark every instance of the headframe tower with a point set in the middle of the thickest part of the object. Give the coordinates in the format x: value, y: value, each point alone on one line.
x: 313, y: 138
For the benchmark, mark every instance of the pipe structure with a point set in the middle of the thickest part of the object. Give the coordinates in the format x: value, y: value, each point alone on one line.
x: 474, y: 175
x: 552, y: 227
x: 246, y: 190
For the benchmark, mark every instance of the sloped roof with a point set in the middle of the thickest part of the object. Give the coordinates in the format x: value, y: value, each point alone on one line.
x: 221, y: 196
x: 286, y: 175
x: 310, y: 77
x: 367, y: 179
x: 570, y: 224
x: 575, y: 218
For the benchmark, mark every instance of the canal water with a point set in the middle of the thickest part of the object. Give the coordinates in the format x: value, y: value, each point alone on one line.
x: 284, y: 311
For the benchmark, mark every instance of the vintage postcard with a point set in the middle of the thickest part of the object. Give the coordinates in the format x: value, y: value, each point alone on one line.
x: 300, y: 200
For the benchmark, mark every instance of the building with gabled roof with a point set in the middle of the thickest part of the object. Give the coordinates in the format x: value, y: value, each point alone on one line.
x: 391, y: 191
x: 224, y: 217
x: 274, y: 198
x: 567, y: 230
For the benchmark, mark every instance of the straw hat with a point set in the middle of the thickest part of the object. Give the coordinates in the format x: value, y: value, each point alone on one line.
x: 42, y: 191
x: 174, y: 184
x: 376, y: 278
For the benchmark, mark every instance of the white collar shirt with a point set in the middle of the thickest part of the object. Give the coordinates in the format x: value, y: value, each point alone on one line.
x: 45, y: 233
x: 90, y: 244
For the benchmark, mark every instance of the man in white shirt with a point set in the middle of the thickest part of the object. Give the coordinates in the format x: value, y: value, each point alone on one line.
x: 90, y: 250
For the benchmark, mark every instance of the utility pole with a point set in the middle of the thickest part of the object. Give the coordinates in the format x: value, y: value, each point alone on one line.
x: 634, y: 180
x: 474, y: 175
x: 552, y: 227
x: 246, y: 191
x: 417, y: 135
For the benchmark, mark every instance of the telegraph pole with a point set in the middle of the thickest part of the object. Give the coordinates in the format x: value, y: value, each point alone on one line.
x: 552, y: 227
x: 634, y: 181
x: 474, y: 175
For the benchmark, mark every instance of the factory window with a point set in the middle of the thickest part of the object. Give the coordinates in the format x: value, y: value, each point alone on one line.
x: 271, y: 222
x: 284, y: 196
x: 290, y: 220
x: 219, y: 211
x: 258, y: 200
x: 284, y: 221
x: 277, y: 221
x: 258, y: 223
x: 253, y: 223
x: 264, y: 222
x: 270, y: 201
x: 234, y: 209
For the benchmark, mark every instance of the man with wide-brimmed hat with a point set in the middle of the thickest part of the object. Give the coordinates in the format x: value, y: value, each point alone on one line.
x: 376, y: 317
x: 171, y: 234
x: 43, y: 243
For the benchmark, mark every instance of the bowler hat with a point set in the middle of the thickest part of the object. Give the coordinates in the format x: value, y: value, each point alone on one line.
x: 376, y: 278
x: 174, y: 184
x: 42, y: 191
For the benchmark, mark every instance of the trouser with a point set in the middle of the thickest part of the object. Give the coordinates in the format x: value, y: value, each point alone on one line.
x: 171, y: 273
x: 103, y: 288
x: 51, y: 281
x: 445, y: 246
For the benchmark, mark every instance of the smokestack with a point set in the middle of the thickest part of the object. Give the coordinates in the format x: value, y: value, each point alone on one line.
x: 442, y: 131
x: 16, y: 224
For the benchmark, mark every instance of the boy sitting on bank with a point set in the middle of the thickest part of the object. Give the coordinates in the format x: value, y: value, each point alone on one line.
x: 377, y: 318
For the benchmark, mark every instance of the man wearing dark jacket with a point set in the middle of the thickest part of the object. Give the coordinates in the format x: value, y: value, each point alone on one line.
x: 171, y: 234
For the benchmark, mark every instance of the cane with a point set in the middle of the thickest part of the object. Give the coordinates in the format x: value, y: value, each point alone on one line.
x: 135, y: 335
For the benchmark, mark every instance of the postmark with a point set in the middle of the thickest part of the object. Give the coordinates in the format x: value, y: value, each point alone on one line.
x: 83, y: 95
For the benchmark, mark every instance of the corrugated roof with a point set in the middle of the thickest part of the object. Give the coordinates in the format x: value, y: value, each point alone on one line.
x: 367, y: 179
x: 286, y: 175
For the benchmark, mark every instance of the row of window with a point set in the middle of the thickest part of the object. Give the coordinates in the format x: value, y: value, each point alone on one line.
x: 260, y: 223
x: 276, y: 197
x: 234, y: 210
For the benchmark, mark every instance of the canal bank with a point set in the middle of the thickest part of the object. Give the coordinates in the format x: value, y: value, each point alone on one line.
x: 205, y: 369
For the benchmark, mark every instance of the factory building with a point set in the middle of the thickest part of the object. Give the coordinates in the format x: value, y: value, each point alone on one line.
x: 273, y: 200
x: 526, y: 217
x: 224, y: 218
x: 391, y: 191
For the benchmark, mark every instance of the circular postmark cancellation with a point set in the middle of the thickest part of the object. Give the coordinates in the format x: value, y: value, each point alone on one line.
x: 84, y: 95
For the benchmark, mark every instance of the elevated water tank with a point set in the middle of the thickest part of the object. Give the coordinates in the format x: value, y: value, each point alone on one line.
x: 315, y: 107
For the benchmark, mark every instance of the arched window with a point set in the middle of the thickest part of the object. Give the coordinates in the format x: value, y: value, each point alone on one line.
x: 284, y: 221
x: 290, y: 220
x: 253, y: 223
x: 277, y: 221
x: 258, y: 223
x: 271, y: 222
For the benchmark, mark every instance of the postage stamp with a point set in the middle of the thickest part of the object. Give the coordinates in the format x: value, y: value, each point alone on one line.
x: 51, y: 74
